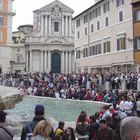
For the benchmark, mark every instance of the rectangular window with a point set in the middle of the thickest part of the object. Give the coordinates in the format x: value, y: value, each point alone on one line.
x: 90, y: 15
x: 96, y: 49
x: 97, y: 12
x: 138, y: 43
x: 106, y: 21
x: 137, y: 15
x: 1, y: 21
x: 85, y: 30
x: 93, y: 14
x: 92, y: 28
x: 78, y: 54
x: 18, y: 58
x: 78, y: 23
x: 85, y: 18
x: 99, y: 49
x: 85, y: 52
x: 78, y: 34
x: 121, y: 43
x: 106, y: 46
x: 90, y: 51
x: 120, y: 16
x: 93, y: 50
x: 56, y: 26
x: 106, y: 7
x: 119, y: 2
x: 98, y: 25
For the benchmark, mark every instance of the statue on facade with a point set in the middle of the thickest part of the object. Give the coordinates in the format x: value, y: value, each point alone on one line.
x: 37, y: 23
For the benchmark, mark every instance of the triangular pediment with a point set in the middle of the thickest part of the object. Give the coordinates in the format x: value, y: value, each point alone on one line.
x: 54, y: 4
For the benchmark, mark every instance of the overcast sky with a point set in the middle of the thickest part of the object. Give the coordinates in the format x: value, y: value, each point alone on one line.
x: 24, y: 9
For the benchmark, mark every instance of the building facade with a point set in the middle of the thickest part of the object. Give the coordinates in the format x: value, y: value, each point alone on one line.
x: 51, y: 45
x: 136, y: 32
x: 6, y: 14
x: 104, y: 37
x: 18, y: 48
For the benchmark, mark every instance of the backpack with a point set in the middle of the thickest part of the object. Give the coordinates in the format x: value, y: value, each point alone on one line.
x: 82, y: 129
x: 30, y: 131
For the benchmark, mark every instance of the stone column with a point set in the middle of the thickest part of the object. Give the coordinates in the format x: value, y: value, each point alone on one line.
x: 27, y: 61
x: 46, y: 25
x: 66, y: 25
x: 70, y: 26
x: 45, y: 61
x: 62, y: 62
x: 31, y: 61
x: 70, y: 61
x: 66, y: 63
x: 41, y: 63
x: 42, y: 19
x: 50, y: 25
x: 49, y: 61
x: 63, y: 26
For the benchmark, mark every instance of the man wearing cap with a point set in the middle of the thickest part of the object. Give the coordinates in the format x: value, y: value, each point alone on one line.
x: 6, y: 131
x: 29, y: 127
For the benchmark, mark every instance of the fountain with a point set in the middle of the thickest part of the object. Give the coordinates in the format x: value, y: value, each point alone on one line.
x: 55, y: 109
x: 9, y: 97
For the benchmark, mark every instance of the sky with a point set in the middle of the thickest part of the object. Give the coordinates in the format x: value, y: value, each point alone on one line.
x: 24, y: 9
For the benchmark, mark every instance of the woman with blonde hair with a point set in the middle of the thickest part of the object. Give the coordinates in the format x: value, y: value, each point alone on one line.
x: 42, y: 130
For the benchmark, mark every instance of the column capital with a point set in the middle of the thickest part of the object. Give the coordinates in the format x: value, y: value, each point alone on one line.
x: 41, y: 50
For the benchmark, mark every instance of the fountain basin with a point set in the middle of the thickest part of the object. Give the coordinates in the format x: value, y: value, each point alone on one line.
x: 55, y: 109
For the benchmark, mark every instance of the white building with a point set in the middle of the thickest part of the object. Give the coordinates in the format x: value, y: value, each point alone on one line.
x: 51, y: 45
x: 104, y: 37
x: 18, y: 48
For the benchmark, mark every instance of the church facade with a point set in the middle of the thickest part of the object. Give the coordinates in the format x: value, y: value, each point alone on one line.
x: 50, y: 47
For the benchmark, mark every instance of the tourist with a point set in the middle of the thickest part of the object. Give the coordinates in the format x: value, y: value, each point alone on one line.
x: 105, y: 112
x: 93, y: 128
x: 42, y: 130
x: 69, y: 134
x: 59, y: 131
x: 6, y: 131
x: 84, y: 113
x: 82, y: 127
x: 128, y: 107
x: 138, y: 106
x: 130, y: 128
x: 27, y: 131
x: 105, y: 132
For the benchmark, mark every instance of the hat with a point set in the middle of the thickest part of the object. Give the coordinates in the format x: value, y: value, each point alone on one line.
x: 2, y: 113
x: 39, y: 109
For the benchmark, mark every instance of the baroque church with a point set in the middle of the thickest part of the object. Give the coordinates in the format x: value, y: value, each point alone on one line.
x: 50, y: 47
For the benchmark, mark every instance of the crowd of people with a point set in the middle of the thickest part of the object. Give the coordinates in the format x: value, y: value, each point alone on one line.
x: 120, y: 90
x: 103, y: 125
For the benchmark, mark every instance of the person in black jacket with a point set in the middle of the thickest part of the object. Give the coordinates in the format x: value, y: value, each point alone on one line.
x: 27, y: 131
x: 93, y: 128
